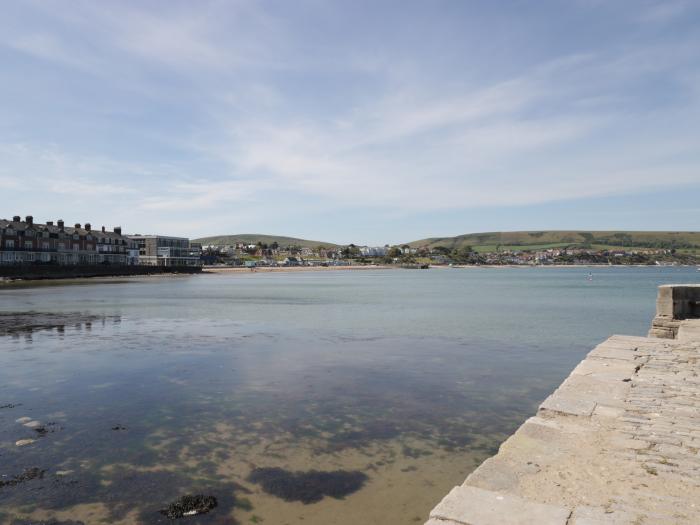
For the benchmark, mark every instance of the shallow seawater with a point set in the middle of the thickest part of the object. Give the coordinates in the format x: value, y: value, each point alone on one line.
x: 329, y: 398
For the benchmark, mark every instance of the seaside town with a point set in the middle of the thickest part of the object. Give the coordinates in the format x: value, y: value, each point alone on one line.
x: 26, y: 242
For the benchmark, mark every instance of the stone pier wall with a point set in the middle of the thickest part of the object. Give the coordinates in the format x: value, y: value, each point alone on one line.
x: 617, y: 443
x: 674, y: 304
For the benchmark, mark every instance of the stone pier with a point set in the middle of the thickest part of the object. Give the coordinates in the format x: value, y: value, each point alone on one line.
x: 617, y: 443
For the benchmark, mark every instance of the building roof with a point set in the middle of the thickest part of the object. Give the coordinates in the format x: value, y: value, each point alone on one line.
x: 54, y: 228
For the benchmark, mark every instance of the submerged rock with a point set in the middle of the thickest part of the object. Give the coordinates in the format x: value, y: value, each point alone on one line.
x: 23, y: 420
x: 48, y: 428
x: 24, y: 442
x: 27, y: 475
x: 46, y: 522
x: 17, y: 323
x: 189, y: 505
x: 307, y: 487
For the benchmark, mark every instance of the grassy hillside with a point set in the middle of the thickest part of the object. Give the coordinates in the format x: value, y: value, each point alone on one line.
x: 535, y: 240
x: 254, y: 238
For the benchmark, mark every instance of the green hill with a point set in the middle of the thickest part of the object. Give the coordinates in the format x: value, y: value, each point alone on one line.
x: 535, y: 240
x: 254, y: 238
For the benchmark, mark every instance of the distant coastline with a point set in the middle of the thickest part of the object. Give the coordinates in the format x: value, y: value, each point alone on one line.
x: 277, y: 269
x: 285, y: 269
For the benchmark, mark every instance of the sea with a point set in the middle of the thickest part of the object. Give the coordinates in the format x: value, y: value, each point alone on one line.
x: 314, y: 398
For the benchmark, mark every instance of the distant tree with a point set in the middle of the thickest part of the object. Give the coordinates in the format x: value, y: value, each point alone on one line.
x: 395, y: 251
x: 442, y: 250
x: 462, y: 254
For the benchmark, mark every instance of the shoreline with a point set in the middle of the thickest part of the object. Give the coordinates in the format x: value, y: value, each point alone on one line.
x: 6, y: 282
x: 273, y: 269
x: 276, y: 269
x: 11, y: 283
x: 460, y: 266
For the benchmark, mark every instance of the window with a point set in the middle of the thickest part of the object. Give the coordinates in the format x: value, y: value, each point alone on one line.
x: 45, y: 245
x: 9, y: 243
x: 61, y: 245
x: 76, y: 247
x: 28, y: 245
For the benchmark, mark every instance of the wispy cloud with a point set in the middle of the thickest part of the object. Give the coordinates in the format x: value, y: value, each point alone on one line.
x: 218, y: 108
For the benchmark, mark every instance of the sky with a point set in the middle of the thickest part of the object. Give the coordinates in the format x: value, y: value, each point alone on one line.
x: 370, y: 122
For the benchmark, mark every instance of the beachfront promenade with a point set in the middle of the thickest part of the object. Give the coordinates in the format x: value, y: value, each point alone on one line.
x: 617, y: 443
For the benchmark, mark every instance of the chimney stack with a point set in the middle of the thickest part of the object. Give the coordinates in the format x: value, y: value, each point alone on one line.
x: 16, y: 218
x: 29, y: 220
x: 77, y: 226
x: 103, y: 229
x: 118, y: 230
x: 60, y: 224
x: 49, y: 223
x: 87, y: 226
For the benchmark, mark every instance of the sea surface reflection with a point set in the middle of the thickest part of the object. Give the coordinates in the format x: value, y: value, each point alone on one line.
x: 333, y: 398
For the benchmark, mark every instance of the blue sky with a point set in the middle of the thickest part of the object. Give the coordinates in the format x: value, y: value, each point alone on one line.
x: 366, y: 121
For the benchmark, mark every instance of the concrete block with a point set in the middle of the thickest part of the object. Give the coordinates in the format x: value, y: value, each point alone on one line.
x: 674, y: 302
x: 568, y: 404
x: 585, y: 515
x: 607, y: 369
x: 608, y: 411
x: 545, y: 430
x: 689, y: 330
x: 664, y: 302
x: 494, y: 474
x: 473, y: 506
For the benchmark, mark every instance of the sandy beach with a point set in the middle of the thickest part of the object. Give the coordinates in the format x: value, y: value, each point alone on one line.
x: 263, y: 269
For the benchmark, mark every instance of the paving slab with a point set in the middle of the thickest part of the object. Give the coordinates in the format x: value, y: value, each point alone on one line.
x: 617, y: 443
x: 473, y: 506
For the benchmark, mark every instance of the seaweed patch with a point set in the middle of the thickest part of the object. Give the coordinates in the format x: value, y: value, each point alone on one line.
x: 189, y: 506
x: 16, y: 323
x: 307, y: 487
x: 27, y: 475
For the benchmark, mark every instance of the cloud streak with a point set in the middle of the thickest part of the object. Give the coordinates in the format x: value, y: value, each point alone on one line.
x: 214, y: 107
